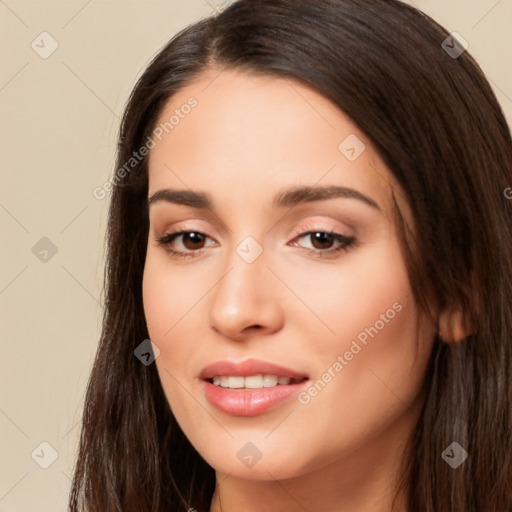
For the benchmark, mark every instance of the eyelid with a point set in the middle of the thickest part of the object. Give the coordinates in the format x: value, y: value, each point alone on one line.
x: 195, y: 225
x: 316, y: 225
x: 322, y: 226
x: 164, y: 218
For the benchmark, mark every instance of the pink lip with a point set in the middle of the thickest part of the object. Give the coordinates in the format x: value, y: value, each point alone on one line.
x: 249, y: 402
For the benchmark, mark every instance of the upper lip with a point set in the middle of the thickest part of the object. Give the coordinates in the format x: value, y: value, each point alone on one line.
x: 246, y: 368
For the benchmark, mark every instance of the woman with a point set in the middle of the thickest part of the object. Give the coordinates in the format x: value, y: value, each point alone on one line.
x: 309, y: 223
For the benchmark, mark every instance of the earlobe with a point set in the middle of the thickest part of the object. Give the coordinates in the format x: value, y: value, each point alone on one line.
x: 452, y: 326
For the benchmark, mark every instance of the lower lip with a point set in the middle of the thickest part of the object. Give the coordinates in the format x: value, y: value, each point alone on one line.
x: 249, y: 402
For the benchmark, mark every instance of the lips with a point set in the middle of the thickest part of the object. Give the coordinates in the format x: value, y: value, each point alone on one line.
x: 225, y: 386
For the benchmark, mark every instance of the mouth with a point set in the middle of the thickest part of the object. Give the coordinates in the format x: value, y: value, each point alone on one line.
x: 251, y: 387
x: 253, y: 381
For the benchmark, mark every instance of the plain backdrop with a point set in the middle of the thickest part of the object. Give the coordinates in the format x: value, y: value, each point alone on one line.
x: 59, y: 117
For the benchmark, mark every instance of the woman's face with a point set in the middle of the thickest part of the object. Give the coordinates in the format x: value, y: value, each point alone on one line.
x: 289, y: 268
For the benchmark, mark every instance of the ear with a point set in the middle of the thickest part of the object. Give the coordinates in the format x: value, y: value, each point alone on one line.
x: 452, y: 327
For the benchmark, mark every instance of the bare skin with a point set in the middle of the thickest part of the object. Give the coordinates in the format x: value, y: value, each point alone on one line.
x: 297, y: 305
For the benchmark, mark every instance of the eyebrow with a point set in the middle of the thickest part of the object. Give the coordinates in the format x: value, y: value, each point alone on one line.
x: 285, y: 199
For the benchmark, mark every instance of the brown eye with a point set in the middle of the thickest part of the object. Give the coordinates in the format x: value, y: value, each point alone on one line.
x: 185, y: 243
x: 193, y: 240
x: 321, y: 240
x: 324, y: 243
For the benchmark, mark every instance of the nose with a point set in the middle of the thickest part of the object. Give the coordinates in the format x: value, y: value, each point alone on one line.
x: 245, y: 301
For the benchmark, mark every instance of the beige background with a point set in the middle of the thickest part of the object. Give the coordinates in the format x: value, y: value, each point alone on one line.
x: 59, y: 120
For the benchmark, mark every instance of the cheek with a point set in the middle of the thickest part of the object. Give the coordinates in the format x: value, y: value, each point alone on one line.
x: 376, y: 385
x: 169, y: 295
x: 169, y: 301
x: 378, y: 355
x: 364, y: 338
x: 367, y: 289
x: 174, y: 307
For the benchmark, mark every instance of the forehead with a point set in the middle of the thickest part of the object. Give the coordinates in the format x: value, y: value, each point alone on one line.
x: 248, y: 135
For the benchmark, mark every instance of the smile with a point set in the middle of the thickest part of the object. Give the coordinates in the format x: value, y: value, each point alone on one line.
x: 251, y: 387
x: 252, y: 381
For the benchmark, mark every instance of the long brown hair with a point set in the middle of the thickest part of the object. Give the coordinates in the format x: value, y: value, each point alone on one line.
x: 438, y: 127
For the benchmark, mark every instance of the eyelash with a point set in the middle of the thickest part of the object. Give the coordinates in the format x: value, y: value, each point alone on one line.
x: 345, y: 242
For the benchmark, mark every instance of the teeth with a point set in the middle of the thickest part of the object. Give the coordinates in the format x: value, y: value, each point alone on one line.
x: 270, y: 381
x: 250, y: 382
x: 235, y: 382
x: 253, y: 381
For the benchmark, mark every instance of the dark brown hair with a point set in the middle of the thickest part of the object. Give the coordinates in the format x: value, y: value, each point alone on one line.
x: 437, y: 125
